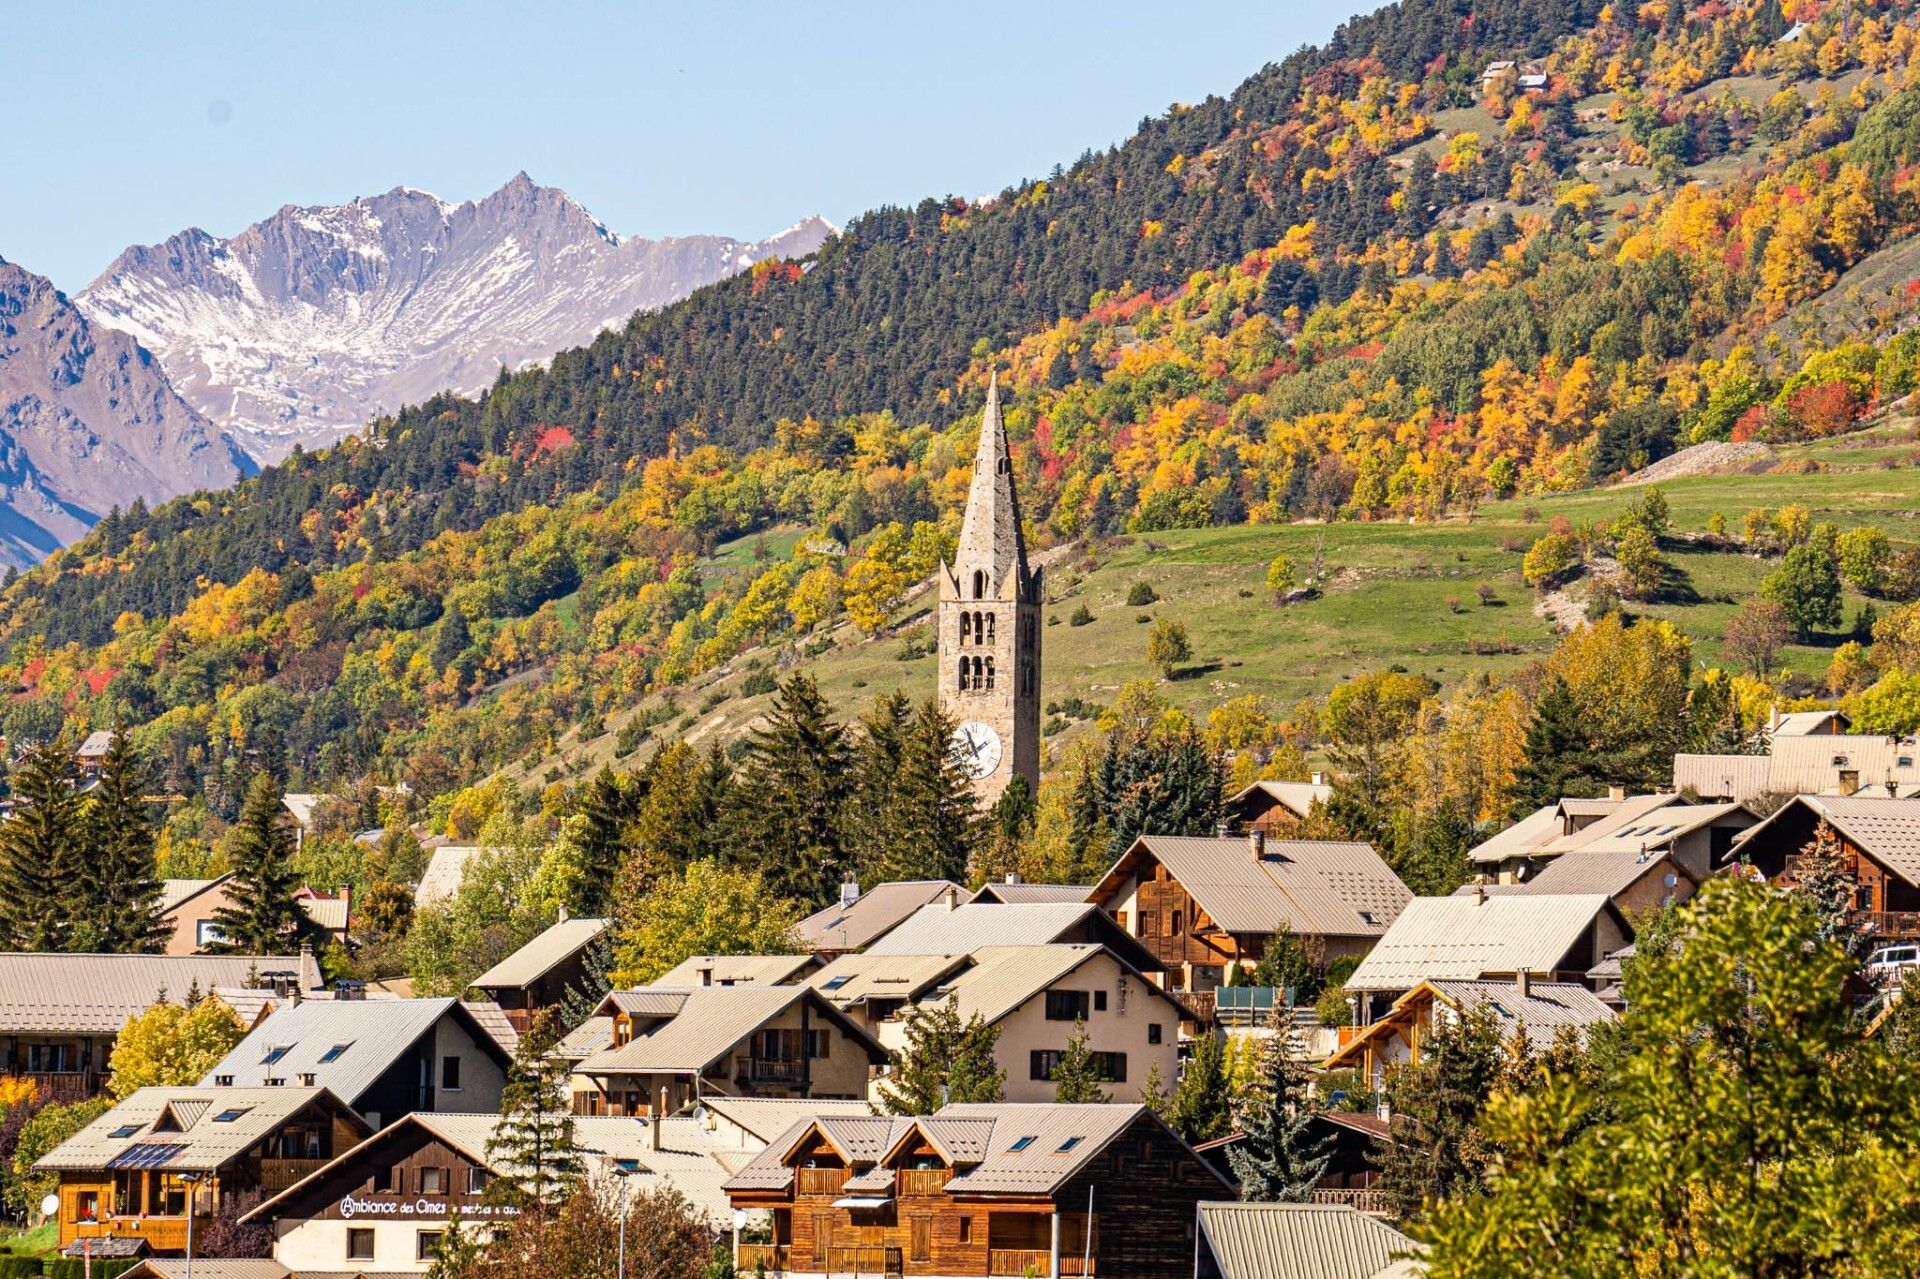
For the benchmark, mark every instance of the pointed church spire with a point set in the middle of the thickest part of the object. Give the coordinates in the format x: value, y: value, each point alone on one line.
x: 990, y: 537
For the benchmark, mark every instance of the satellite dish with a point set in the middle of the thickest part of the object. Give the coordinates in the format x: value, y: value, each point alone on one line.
x: 50, y: 1205
x: 1672, y: 880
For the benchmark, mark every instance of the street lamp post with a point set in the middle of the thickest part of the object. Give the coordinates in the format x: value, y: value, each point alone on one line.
x: 623, y: 1169
x: 193, y: 1181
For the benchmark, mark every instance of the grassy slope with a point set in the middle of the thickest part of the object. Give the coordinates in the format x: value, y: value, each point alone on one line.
x: 1386, y: 602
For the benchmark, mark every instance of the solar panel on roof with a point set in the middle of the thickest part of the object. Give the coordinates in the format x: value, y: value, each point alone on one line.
x: 146, y: 1154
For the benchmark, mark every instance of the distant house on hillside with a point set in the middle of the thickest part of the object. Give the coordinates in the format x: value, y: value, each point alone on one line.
x: 1277, y: 808
x: 447, y: 868
x: 1204, y: 906
x: 1817, y: 763
x: 188, y: 907
x: 93, y: 752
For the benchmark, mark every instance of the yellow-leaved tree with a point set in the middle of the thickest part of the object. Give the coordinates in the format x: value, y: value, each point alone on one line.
x: 172, y: 1045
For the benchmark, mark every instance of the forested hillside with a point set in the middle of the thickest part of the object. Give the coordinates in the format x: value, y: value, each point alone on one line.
x: 1373, y: 283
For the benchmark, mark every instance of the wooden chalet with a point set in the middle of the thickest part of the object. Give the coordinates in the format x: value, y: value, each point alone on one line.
x: 1880, y: 838
x: 1539, y: 1011
x: 136, y: 1171
x: 540, y: 974
x: 1276, y: 808
x: 1202, y: 907
x: 992, y: 1189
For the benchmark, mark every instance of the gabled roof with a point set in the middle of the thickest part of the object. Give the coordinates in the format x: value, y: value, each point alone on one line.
x: 326, y: 913
x: 1333, y: 888
x: 1055, y: 1141
x: 1655, y: 828
x: 175, y: 893
x: 855, y: 979
x: 876, y: 911
x: 737, y: 970
x: 1468, y: 937
x: 1540, y: 1013
x: 1620, y: 814
x: 370, y: 1035
x: 1299, y: 1241
x: 1003, y: 978
x: 1297, y: 797
x: 304, y: 806
x: 96, y: 994
x: 1523, y: 838
x: 1887, y: 830
x: 1583, y: 873
x: 711, y: 1020
x: 589, y: 1037
x: 446, y: 869
x: 765, y: 1118
x: 1805, y: 723
x: 542, y: 955
x: 208, y: 1128
x: 98, y: 742
x: 209, y: 1268
x: 936, y: 930
x: 1024, y: 893
x: 689, y: 1156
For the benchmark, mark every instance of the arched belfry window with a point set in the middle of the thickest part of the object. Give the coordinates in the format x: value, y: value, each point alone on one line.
x: 1005, y: 465
x: 963, y: 674
x: 966, y: 628
x: 979, y: 584
x: 989, y: 683
x: 989, y: 620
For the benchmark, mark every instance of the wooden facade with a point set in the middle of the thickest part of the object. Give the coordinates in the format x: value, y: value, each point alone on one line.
x: 1883, y: 897
x: 1128, y: 1212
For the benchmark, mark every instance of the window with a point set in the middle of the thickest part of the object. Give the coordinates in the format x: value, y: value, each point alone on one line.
x: 963, y: 675
x: 1153, y: 1032
x: 1066, y: 1005
x: 433, y: 1181
x: 835, y: 983
x: 477, y: 1180
x: 1099, y: 1001
x: 86, y: 1205
x: 359, y: 1243
x: 966, y: 628
x: 1863, y: 897
x: 386, y: 1179
x: 49, y: 1059
x: 450, y: 1074
x: 1041, y: 1063
x: 333, y: 1053
x: 1111, y: 1067
x: 230, y: 1114
x: 966, y: 1230
x: 1021, y: 1144
x: 979, y: 584
x: 126, y: 1130
x: 1069, y: 1144
x: 275, y: 1053
x: 206, y: 933
x: 819, y: 1045
x: 1174, y: 931
x: 1120, y: 918
x: 426, y: 1245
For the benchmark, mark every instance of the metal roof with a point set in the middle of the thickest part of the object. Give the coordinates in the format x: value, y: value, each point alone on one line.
x: 1003, y: 978
x: 176, y: 892
x: 765, y: 1118
x: 1888, y: 830
x: 371, y: 1035
x: 875, y: 912
x: 96, y: 994
x: 1025, y: 893
x: 210, y: 1268
x: 493, y: 1019
x: 1656, y: 828
x: 1298, y: 797
x: 1522, y: 838
x: 303, y: 806
x: 1331, y: 888
x: 328, y: 913
x: 1736, y: 777
x: 854, y: 979
x: 1580, y: 874
x: 1622, y: 814
x: 445, y: 871
x: 542, y: 955
x: 206, y: 1128
x: 1807, y: 723
x: 736, y: 970
x: 1539, y: 1014
x: 1468, y: 937
x: 1300, y: 1241
x: 98, y: 742
x: 936, y: 930
x: 589, y: 1037
x: 711, y: 1021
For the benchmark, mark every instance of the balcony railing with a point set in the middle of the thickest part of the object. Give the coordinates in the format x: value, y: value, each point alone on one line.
x: 1893, y: 925
x: 922, y: 1181
x: 819, y: 1181
x: 1039, y: 1261
x: 770, y: 1070
x: 1365, y: 1200
x: 773, y: 1258
x: 277, y: 1174
x: 866, y: 1259
x: 62, y: 1086
x: 163, y: 1234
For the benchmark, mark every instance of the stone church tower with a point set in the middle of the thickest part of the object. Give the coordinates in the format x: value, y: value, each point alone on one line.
x: 989, y: 623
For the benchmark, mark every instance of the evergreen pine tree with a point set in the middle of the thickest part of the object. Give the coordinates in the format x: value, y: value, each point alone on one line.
x: 452, y: 639
x: 1201, y: 1107
x: 532, y: 1148
x: 261, y: 917
x: 607, y: 811
x: 123, y: 892
x: 1279, y: 1162
x: 797, y: 771
x: 39, y: 851
x: 945, y: 1060
x: 939, y: 822
x: 1559, y: 755
x: 1077, y: 1078
x: 1823, y: 875
x: 1158, y: 784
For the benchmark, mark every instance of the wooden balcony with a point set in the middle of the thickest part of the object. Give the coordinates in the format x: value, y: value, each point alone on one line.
x: 769, y: 1070
x: 1893, y: 925
x: 922, y: 1181
x: 1039, y: 1261
x: 64, y: 1086
x: 1368, y: 1200
x: 277, y: 1174
x: 773, y: 1258
x: 163, y: 1234
x: 866, y: 1259
x: 819, y: 1181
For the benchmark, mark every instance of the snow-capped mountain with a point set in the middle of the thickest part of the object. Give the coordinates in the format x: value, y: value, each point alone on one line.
x: 304, y: 326
x: 87, y: 422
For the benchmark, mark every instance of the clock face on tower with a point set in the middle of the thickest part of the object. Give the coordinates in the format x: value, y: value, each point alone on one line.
x: 977, y: 747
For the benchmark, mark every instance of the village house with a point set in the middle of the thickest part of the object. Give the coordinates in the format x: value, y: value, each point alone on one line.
x: 1879, y: 839
x: 1808, y: 753
x: 1014, y: 891
x: 384, y: 1057
x: 1634, y: 882
x: 953, y: 927
x: 447, y: 867
x: 1034, y: 996
x: 1697, y: 836
x: 131, y: 1173
x: 1487, y: 936
x: 1299, y: 1241
x: 666, y: 1048
x: 1276, y: 808
x: 858, y: 918
x: 739, y: 970
x: 384, y: 1205
x: 1203, y: 907
x: 1540, y: 1011
x: 1352, y: 1141
x: 188, y: 906
x: 541, y: 973
x: 92, y: 754
x: 60, y: 1013
x: 987, y: 1189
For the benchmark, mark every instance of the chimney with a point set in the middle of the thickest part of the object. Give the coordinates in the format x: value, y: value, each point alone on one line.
x: 952, y: 897
x: 1221, y: 830
x: 849, y: 892
x: 1523, y: 984
x: 346, y: 915
x: 659, y: 1118
x: 1616, y: 793
x: 1013, y: 876
x: 1773, y: 717
x: 1257, y: 843
x: 306, y: 1079
x: 563, y: 912
x: 1319, y: 779
x: 1480, y: 894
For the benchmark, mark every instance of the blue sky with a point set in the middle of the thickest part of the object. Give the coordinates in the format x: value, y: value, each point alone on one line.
x: 125, y: 123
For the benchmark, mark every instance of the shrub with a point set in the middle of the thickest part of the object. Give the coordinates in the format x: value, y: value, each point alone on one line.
x: 761, y: 681
x: 1829, y: 408
x: 1550, y: 559
x: 1488, y: 596
x: 1141, y: 594
x: 1081, y: 616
